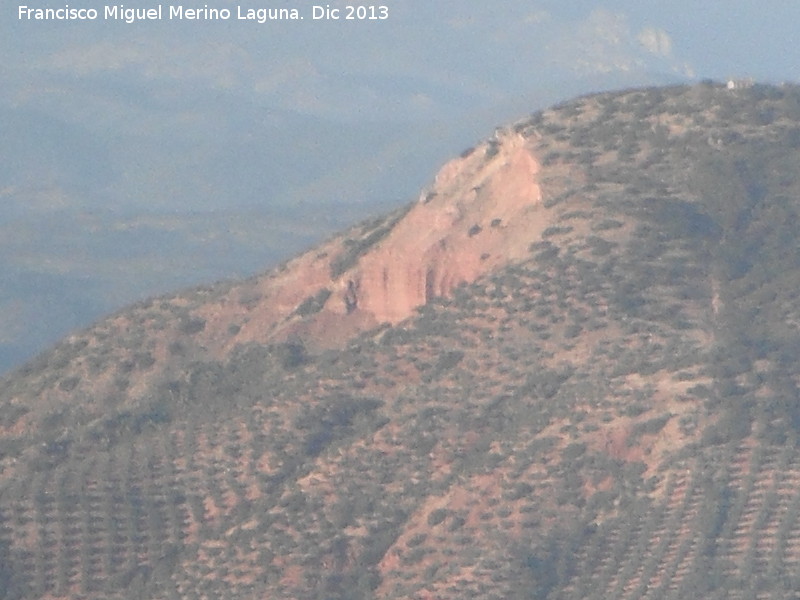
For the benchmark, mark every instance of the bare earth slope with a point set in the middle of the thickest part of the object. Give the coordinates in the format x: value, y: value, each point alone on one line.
x: 566, y: 371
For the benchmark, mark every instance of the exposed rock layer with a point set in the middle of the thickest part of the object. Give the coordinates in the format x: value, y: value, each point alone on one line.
x: 482, y: 211
x: 466, y: 224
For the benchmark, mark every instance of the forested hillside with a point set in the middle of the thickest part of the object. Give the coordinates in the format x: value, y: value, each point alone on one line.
x: 567, y: 371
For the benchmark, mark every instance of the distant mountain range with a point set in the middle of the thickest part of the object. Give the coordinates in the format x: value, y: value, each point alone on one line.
x: 566, y: 371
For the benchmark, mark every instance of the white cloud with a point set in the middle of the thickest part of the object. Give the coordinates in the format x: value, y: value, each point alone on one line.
x: 605, y: 27
x: 604, y: 42
x: 655, y: 41
x: 599, y: 44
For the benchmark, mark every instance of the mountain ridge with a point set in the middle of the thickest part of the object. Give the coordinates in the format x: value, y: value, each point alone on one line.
x: 604, y: 406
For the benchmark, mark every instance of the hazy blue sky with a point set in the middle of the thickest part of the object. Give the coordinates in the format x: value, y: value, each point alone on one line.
x: 104, y: 122
x: 191, y: 84
x: 425, y: 60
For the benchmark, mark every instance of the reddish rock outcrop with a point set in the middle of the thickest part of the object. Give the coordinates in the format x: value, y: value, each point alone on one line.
x: 482, y: 210
x: 463, y: 226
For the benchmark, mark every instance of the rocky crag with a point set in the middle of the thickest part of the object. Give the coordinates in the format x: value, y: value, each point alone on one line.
x: 567, y: 370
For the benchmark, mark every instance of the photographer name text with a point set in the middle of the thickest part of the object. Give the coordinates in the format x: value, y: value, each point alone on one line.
x: 178, y: 12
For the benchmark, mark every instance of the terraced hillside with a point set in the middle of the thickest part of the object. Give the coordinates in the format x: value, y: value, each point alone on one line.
x: 567, y: 371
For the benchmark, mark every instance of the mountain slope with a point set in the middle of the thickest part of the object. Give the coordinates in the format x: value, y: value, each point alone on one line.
x: 566, y: 371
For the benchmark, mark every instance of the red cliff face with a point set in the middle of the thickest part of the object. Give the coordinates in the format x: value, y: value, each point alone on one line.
x: 483, y: 210
x: 463, y: 226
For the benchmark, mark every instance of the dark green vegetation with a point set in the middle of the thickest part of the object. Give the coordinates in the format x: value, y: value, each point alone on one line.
x: 615, y: 416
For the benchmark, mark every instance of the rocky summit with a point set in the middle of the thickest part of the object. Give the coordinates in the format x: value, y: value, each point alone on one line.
x: 567, y: 371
